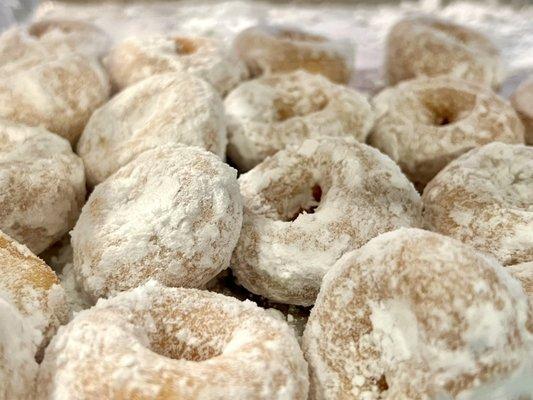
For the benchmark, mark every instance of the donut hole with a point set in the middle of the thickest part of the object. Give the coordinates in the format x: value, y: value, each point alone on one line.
x: 445, y: 106
x: 298, y: 105
x: 192, y: 336
x: 40, y: 29
x: 306, y: 201
x: 299, y: 36
x: 185, y: 46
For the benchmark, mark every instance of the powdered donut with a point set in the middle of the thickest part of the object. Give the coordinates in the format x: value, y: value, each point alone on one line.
x: 42, y: 185
x: 424, y: 46
x: 33, y: 288
x: 308, y: 205
x: 272, y: 49
x: 137, y: 58
x: 524, y: 273
x: 425, y: 123
x: 59, y: 94
x: 18, y: 368
x: 162, y: 109
x: 485, y: 199
x: 522, y: 101
x: 266, y: 114
x: 24, y: 47
x: 416, y: 315
x: 167, y: 343
x: 70, y: 35
x: 173, y: 214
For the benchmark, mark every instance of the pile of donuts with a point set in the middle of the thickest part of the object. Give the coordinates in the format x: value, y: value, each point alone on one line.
x: 243, y: 224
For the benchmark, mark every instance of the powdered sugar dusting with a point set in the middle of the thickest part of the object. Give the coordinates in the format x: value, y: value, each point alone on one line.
x: 181, y: 343
x: 172, y: 214
x: 394, y: 320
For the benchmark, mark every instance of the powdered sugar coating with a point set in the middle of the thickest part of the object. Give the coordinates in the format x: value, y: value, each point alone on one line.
x: 33, y: 288
x: 522, y: 101
x: 266, y: 114
x: 425, y: 123
x: 268, y: 49
x: 18, y: 368
x: 286, y: 246
x: 425, y: 46
x: 173, y: 214
x: 167, y: 343
x: 58, y: 93
x: 413, y: 314
x: 42, y: 185
x: 524, y: 273
x: 137, y: 58
x: 485, y: 199
x: 162, y: 109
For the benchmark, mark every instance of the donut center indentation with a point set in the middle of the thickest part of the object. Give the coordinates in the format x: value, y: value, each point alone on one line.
x: 299, y: 36
x: 185, y: 46
x: 40, y: 29
x: 445, y: 106
x: 299, y: 105
x: 309, y: 206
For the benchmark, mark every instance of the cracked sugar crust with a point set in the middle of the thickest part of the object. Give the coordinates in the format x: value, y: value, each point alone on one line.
x: 58, y: 94
x: 425, y: 46
x: 18, y: 368
x: 425, y: 123
x: 270, y: 49
x: 522, y: 101
x: 268, y: 113
x: 524, y: 273
x: 162, y: 109
x: 168, y: 343
x: 416, y: 315
x: 308, y: 205
x: 173, y: 214
x: 33, y: 288
x: 211, y: 59
x: 485, y: 199
x: 42, y: 185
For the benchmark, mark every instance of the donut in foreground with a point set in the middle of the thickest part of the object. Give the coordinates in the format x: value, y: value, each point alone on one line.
x: 33, y: 289
x: 425, y: 46
x: 268, y: 113
x: 416, y: 315
x: 162, y: 343
x: 42, y: 185
x: 140, y: 57
x: 308, y: 205
x: 485, y: 199
x: 273, y: 49
x: 172, y: 214
x: 162, y: 109
x: 522, y: 101
x: 425, y: 123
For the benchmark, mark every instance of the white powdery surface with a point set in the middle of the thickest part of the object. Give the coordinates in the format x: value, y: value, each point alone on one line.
x: 162, y: 109
x: 363, y: 25
x: 284, y: 250
x: 42, y: 185
x: 268, y: 113
x: 395, y: 321
x: 485, y: 199
x: 18, y: 368
x: 173, y: 214
x: 157, y: 342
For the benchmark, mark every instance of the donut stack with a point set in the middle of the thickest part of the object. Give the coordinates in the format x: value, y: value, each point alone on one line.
x: 237, y: 222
